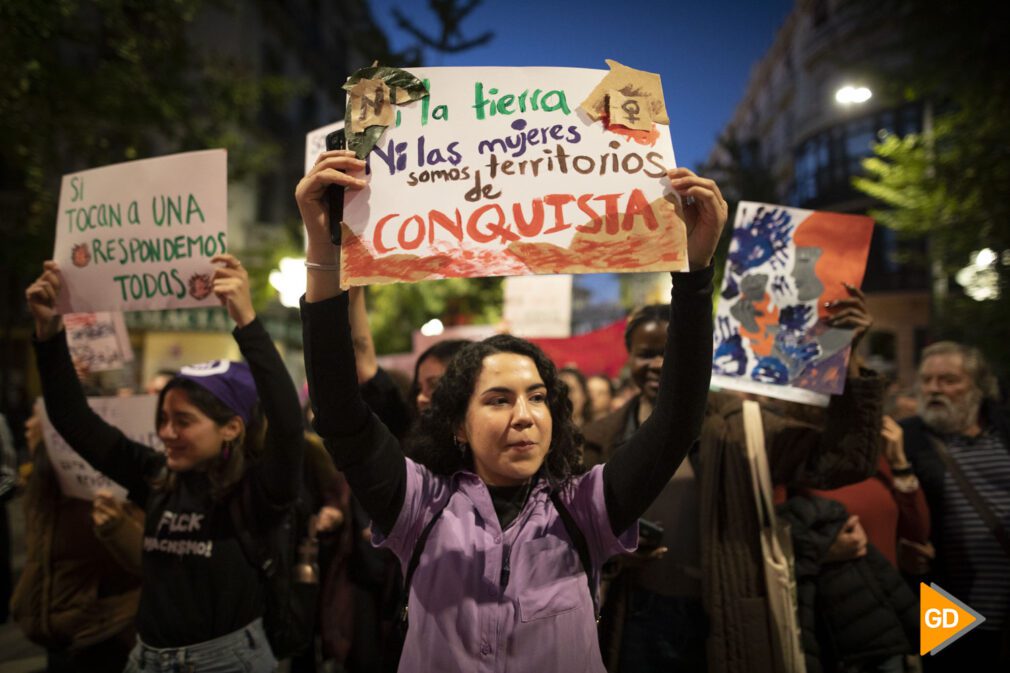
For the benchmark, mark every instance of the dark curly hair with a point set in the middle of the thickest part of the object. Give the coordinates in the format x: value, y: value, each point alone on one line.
x: 433, y: 445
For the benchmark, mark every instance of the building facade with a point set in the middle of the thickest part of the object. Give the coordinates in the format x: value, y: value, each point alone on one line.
x: 790, y: 127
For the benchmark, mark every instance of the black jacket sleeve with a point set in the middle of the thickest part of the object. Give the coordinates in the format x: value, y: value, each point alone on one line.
x: 105, y: 447
x: 637, y: 473
x: 362, y: 447
x: 280, y: 467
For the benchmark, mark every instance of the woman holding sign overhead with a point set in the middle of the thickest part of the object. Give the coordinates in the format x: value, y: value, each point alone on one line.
x: 232, y: 433
x: 500, y: 530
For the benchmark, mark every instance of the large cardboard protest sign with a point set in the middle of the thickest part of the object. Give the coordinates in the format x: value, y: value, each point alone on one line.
x: 139, y: 235
x: 133, y: 415
x: 514, y: 171
x: 98, y: 341
x: 784, y: 266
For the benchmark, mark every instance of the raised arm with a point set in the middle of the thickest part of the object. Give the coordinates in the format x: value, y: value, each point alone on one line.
x: 636, y: 474
x: 281, y: 462
x: 377, y: 388
x: 104, y: 446
x: 367, y: 365
x: 321, y: 256
x: 361, y: 446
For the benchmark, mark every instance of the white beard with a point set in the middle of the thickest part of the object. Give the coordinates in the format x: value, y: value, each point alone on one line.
x: 952, y: 417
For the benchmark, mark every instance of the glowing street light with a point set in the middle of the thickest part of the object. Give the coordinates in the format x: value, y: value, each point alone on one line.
x: 289, y: 280
x: 433, y: 327
x: 980, y: 279
x: 852, y: 95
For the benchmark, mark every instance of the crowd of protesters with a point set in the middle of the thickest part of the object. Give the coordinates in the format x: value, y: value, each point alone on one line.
x: 505, y: 512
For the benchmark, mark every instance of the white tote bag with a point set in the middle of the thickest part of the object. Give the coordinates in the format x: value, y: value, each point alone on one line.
x: 776, y: 550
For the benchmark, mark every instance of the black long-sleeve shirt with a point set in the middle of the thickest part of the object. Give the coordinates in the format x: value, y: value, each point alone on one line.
x: 197, y: 582
x: 375, y: 466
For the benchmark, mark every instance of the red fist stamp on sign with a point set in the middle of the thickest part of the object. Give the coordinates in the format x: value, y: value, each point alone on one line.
x: 80, y: 255
x: 200, y: 285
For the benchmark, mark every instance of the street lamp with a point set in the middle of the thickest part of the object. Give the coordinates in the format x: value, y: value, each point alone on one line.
x: 980, y: 279
x: 852, y: 95
x: 289, y: 280
x: 433, y: 327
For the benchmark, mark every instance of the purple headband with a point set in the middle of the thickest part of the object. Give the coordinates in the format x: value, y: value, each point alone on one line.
x: 230, y: 382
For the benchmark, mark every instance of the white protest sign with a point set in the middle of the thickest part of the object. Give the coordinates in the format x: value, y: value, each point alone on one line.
x: 499, y: 172
x: 538, y: 306
x: 134, y: 415
x: 98, y: 341
x: 139, y: 235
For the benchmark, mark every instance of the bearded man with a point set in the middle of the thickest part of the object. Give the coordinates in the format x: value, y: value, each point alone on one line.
x: 959, y: 447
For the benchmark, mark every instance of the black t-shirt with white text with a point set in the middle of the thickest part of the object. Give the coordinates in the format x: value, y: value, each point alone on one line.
x: 195, y: 571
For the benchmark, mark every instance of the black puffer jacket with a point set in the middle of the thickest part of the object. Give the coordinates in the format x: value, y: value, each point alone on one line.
x: 850, y: 611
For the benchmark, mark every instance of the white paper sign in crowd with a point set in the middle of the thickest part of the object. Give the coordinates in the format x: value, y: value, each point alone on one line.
x: 133, y: 415
x: 538, y: 306
x: 500, y: 172
x: 315, y: 143
x: 139, y: 235
x: 99, y: 341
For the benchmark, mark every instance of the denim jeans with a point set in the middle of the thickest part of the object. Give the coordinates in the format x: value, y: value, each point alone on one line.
x: 663, y: 633
x: 242, y: 651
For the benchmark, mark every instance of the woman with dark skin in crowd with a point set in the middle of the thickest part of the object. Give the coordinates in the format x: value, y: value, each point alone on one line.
x: 500, y: 581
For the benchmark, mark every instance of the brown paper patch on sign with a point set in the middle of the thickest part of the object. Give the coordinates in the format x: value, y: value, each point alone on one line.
x: 399, y: 95
x: 371, y: 105
x: 643, y: 86
x: 632, y: 113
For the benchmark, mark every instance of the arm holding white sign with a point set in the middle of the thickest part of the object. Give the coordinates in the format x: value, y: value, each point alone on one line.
x: 105, y: 447
x: 322, y: 258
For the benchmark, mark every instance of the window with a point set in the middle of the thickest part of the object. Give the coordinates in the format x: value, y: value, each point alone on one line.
x: 825, y: 163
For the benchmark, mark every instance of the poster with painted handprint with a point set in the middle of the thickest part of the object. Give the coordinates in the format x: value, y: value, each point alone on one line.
x: 785, y: 265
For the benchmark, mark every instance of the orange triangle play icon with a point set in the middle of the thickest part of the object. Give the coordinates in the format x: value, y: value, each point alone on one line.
x: 942, y: 619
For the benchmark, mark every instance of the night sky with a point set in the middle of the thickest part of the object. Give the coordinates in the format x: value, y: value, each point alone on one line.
x: 704, y: 51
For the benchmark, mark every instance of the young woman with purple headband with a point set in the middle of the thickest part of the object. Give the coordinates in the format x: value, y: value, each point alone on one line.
x: 226, y: 427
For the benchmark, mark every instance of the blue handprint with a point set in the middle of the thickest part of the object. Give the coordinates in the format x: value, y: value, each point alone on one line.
x: 730, y: 358
x: 764, y: 238
x: 795, y: 317
x: 770, y: 369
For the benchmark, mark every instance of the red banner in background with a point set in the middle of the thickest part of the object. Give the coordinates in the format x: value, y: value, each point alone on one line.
x: 601, y: 351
